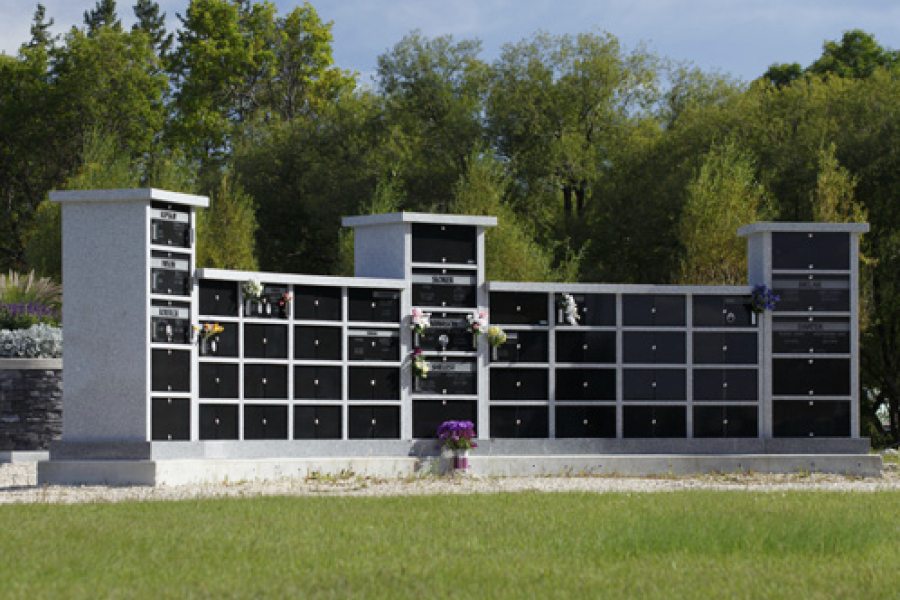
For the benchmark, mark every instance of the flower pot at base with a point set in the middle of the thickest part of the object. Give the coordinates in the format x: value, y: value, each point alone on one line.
x: 461, y: 459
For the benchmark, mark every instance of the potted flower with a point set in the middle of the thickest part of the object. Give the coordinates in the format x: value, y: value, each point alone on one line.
x: 458, y: 437
x: 420, y: 368
x: 207, y: 331
x: 421, y: 321
x: 496, y: 337
x: 478, y: 324
x: 763, y: 299
x: 284, y: 303
x: 253, y: 292
x: 567, y: 310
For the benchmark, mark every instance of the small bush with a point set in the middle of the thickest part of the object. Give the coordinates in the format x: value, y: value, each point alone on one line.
x: 16, y: 288
x: 37, y: 341
x: 25, y: 314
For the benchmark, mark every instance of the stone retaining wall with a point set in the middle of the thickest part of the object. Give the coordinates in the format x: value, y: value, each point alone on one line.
x: 30, y: 403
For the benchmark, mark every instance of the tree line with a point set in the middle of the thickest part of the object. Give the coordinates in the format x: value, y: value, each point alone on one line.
x: 604, y: 163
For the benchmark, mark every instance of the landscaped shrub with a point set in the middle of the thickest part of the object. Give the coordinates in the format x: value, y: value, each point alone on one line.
x: 26, y: 314
x: 27, y: 300
x: 37, y: 341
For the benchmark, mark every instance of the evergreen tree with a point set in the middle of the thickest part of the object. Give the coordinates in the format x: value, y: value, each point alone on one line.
x: 102, y: 15
x: 153, y: 24
x: 40, y: 30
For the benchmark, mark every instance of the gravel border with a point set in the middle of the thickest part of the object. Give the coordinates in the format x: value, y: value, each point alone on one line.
x: 18, y: 485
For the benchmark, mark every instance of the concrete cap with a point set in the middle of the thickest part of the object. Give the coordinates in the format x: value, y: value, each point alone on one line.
x: 126, y: 195
x: 410, y: 217
x: 803, y: 228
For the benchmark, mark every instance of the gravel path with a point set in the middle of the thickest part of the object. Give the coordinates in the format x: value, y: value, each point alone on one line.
x: 18, y: 485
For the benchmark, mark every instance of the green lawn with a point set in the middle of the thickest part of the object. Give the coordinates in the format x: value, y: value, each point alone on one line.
x: 800, y: 545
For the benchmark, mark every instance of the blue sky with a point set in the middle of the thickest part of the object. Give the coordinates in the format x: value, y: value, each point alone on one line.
x: 738, y: 37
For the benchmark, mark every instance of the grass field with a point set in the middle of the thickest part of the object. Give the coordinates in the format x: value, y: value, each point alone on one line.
x: 799, y: 545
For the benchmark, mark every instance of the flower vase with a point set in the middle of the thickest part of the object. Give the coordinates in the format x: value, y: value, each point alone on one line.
x: 213, y: 346
x: 259, y: 308
x: 416, y: 339
x: 753, y: 317
x: 559, y: 316
x: 475, y: 341
x: 248, y: 308
x: 495, y: 355
x: 268, y: 309
x: 460, y: 460
x: 417, y: 383
x: 203, y: 346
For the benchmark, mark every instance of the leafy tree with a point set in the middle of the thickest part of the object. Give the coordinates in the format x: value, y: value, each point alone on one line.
x: 724, y: 196
x: 305, y: 78
x: 557, y: 105
x: 782, y: 74
x: 511, y: 250
x: 103, y: 166
x: 433, y: 90
x: 856, y: 56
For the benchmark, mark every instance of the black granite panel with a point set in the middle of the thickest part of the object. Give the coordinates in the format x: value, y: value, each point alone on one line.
x: 811, y: 335
x: 722, y: 311
x: 218, y: 298
x: 821, y: 251
x: 655, y: 384
x: 374, y: 383
x: 317, y: 383
x: 317, y: 422
x: 170, y: 225
x: 518, y: 308
x: 170, y: 273
x: 810, y: 377
x: 444, y: 243
x: 726, y: 421
x: 171, y: 371
x: 654, y: 347
x: 519, y: 422
x: 428, y: 415
x: 726, y: 348
x: 523, y: 346
x: 170, y: 419
x: 448, y: 331
x: 661, y: 310
x: 374, y: 344
x: 374, y: 305
x: 585, y: 421
x: 265, y: 381
x: 170, y: 322
x: 594, y: 310
x: 374, y: 422
x: 655, y: 422
x: 586, y: 346
x: 444, y: 287
x: 218, y: 422
x: 585, y: 384
x: 218, y: 380
x: 519, y: 384
x: 810, y: 418
x: 265, y: 422
x: 317, y: 303
x: 450, y: 376
x: 265, y: 341
x: 317, y: 343
x: 726, y: 385
x: 808, y: 293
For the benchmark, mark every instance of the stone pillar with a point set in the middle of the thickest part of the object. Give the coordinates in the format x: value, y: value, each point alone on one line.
x: 30, y: 403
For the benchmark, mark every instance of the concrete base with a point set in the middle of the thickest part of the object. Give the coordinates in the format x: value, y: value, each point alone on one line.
x: 180, y: 472
x: 22, y: 456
